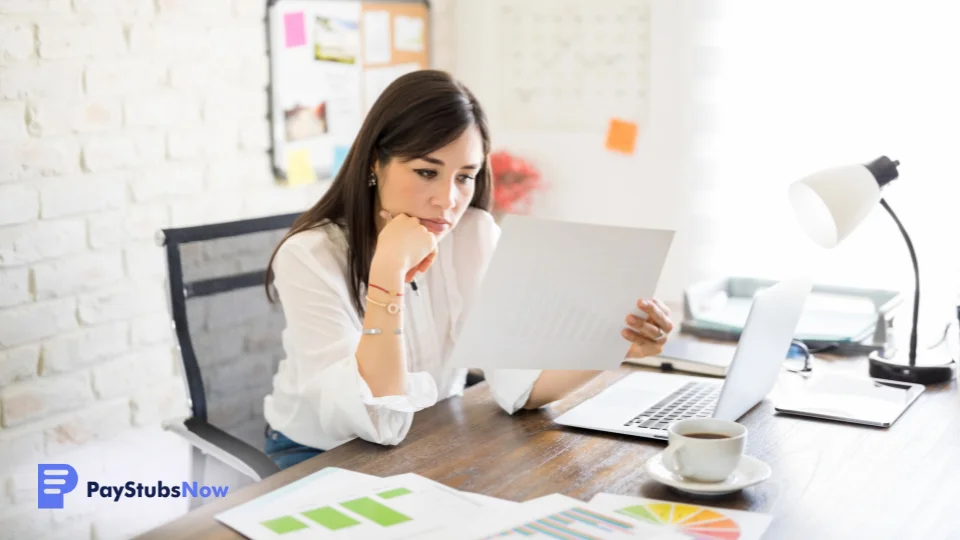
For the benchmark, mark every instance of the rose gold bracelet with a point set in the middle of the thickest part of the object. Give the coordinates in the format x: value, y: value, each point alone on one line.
x: 391, y: 308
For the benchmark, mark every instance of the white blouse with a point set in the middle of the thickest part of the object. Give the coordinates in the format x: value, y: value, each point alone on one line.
x: 319, y: 398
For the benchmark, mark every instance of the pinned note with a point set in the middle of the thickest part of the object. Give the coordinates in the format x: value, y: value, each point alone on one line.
x: 295, y: 30
x: 376, y: 37
x: 622, y: 136
x: 408, y: 33
x: 339, y: 156
x: 299, y: 169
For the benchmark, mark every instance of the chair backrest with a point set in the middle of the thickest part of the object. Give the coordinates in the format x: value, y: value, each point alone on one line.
x: 228, y: 332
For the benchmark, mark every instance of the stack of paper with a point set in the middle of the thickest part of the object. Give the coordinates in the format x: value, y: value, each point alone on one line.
x: 336, y: 503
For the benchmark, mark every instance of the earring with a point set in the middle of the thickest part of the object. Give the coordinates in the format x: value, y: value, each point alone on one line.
x: 372, y: 179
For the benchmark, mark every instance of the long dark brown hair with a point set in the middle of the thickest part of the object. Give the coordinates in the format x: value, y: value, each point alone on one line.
x: 417, y: 114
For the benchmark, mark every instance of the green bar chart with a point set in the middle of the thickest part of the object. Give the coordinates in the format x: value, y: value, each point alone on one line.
x: 284, y: 525
x: 352, y: 513
x: 331, y: 518
x: 375, y: 511
x: 393, y: 493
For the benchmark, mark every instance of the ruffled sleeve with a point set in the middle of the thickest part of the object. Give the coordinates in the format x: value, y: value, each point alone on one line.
x: 321, y: 340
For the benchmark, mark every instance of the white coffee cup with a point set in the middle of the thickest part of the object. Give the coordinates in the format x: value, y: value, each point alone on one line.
x: 701, y: 459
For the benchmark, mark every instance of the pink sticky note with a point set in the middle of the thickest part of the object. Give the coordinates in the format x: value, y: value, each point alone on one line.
x: 295, y: 29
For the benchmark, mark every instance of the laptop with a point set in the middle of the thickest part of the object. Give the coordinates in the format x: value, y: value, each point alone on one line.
x: 645, y: 403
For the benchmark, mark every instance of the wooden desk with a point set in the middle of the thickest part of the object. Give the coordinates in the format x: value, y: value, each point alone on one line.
x: 830, y: 480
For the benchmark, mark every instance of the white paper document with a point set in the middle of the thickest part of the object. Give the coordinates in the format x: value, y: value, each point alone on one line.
x: 556, y: 295
x: 337, y: 503
x: 488, y: 502
x: 343, y: 504
x: 551, y: 517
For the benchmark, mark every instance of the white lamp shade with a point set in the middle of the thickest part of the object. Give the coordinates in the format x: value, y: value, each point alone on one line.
x: 830, y: 204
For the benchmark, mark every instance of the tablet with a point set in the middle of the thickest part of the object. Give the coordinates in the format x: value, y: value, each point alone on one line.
x: 846, y: 398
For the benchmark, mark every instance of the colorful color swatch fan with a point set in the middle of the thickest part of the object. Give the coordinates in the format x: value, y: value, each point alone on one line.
x: 695, y: 521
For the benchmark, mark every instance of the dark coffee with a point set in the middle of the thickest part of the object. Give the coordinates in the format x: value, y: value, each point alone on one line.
x: 706, y: 435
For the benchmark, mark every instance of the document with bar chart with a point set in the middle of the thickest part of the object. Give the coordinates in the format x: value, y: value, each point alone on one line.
x: 356, y: 507
x: 554, y: 517
x: 690, y: 520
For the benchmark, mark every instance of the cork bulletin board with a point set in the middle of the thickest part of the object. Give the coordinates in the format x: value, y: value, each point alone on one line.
x: 329, y: 61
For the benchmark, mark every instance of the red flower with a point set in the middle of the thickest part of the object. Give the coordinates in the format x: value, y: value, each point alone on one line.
x: 514, y: 181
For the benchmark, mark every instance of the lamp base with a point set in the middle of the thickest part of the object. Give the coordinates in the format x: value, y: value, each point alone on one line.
x: 931, y: 367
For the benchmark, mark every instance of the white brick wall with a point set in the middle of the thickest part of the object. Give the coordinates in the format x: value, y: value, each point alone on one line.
x: 76, y: 350
x: 83, y: 194
x: 18, y: 204
x: 17, y: 41
x: 18, y: 363
x: 54, y: 156
x: 34, y: 7
x: 45, y: 80
x: 76, y: 274
x: 34, y: 400
x: 52, y: 117
x: 11, y: 120
x: 73, y: 37
x: 120, y: 77
x: 117, y: 118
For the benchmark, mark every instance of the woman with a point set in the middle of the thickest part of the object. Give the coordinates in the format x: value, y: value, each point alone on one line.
x: 377, y: 278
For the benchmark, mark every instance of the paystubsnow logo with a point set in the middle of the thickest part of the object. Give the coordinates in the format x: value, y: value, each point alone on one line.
x: 56, y: 480
x: 53, y: 482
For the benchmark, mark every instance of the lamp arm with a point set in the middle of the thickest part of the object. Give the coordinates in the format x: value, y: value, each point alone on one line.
x: 916, y: 275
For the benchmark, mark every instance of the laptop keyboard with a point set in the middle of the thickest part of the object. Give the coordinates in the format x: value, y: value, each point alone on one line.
x: 692, y: 400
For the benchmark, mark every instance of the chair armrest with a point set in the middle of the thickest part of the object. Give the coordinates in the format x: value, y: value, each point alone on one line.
x: 225, y: 447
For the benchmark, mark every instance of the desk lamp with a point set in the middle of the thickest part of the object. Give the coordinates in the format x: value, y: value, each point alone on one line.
x: 829, y: 205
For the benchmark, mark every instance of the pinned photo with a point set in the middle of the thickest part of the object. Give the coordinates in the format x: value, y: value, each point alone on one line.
x: 305, y: 122
x: 336, y: 40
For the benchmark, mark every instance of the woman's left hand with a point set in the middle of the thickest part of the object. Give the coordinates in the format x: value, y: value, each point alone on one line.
x: 647, y: 337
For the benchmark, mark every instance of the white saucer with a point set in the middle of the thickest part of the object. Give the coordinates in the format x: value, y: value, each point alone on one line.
x: 750, y: 471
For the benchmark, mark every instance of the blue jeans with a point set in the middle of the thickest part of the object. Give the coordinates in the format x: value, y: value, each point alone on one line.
x: 284, y: 452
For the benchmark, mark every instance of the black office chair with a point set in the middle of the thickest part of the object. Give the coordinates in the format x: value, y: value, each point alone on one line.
x: 229, y: 335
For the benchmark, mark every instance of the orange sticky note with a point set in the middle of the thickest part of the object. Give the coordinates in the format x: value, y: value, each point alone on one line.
x: 622, y: 136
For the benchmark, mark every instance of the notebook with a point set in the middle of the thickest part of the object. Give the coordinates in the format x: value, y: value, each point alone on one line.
x: 691, y: 355
x: 845, y: 398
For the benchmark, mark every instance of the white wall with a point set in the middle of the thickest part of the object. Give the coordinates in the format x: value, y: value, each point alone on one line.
x: 587, y: 182
x: 792, y: 88
x: 117, y: 118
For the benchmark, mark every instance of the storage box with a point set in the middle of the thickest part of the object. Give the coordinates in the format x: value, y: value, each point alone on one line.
x: 836, y: 320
